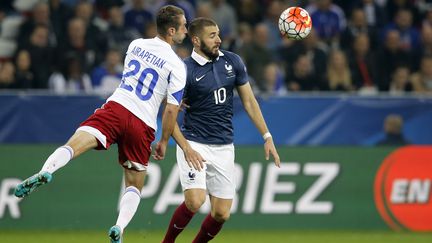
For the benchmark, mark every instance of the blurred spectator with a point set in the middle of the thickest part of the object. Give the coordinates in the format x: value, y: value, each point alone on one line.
x: 40, y: 16
x: 203, y: 10
x: 426, y: 46
x: 119, y: 36
x: 302, y: 77
x: 41, y: 55
x: 138, y: 16
x: 60, y: 13
x: 271, y: 19
x: 71, y: 80
x: 103, y: 6
x: 7, y: 75
x: 107, y: 76
x: 24, y: 76
x: 358, y: 25
x: 313, y: 48
x: 393, y: 125
x: 362, y: 63
x: 85, y: 11
x: 257, y: 56
x: 422, y: 79
x: 245, y: 38
x: 409, y: 36
x: 95, y: 28
x: 394, y: 6
x: 78, y: 45
x: 375, y: 15
x: 388, y: 58
x: 400, y: 82
x: 249, y: 11
x: 328, y: 19
x: 338, y: 73
x: 274, y: 80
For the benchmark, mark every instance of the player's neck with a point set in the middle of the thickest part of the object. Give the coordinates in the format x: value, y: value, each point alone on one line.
x: 167, y: 39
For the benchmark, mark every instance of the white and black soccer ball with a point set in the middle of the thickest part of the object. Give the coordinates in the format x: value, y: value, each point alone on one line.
x: 295, y: 23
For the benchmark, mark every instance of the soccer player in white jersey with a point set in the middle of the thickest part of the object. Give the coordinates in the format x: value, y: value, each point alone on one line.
x: 205, y: 151
x: 152, y: 72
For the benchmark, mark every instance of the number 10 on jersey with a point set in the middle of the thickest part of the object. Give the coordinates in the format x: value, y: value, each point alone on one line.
x: 219, y: 95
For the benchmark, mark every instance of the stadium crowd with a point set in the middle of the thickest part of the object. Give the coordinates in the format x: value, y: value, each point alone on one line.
x: 77, y: 46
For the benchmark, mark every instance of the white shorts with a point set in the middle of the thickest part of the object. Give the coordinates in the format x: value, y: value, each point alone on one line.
x: 218, y: 175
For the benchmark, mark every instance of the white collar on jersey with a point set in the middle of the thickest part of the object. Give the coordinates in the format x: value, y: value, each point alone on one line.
x: 202, y: 60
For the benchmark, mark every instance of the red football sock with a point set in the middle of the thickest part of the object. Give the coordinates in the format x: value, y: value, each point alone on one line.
x: 209, y: 229
x: 179, y: 220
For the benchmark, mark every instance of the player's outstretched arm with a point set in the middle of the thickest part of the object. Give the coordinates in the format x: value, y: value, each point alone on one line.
x: 169, y: 119
x: 193, y: 158
x: 252, y: 108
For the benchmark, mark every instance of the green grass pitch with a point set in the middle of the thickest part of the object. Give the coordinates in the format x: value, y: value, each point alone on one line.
x: 227, y: 236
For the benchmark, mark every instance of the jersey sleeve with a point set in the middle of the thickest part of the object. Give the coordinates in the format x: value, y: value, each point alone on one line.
x: 176, y: 84
x: 241, y: 71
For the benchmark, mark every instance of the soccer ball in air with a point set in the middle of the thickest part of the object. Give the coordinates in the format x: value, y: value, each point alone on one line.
x: 295, y: 23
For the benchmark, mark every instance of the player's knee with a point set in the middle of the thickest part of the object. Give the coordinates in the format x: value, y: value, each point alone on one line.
x: 221, y: 216
x: 194, y: 204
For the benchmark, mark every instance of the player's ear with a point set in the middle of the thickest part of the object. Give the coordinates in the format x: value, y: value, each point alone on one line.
x: 171, y: 31
x: 196, y: 41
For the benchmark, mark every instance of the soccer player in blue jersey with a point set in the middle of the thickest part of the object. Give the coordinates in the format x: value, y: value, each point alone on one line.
x: 152, y: 73
x: 205, y: 151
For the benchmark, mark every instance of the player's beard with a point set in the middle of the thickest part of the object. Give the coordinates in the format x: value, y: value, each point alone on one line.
x: 178, y: 39
x: 208, y: 52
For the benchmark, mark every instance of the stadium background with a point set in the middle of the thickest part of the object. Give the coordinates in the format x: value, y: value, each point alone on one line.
x: 325, y: 100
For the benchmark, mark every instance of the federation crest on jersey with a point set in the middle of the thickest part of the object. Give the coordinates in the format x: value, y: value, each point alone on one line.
x: 228, y: 67
x: 229, y: 70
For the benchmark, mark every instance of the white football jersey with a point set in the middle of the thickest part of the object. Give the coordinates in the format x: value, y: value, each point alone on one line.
x: 152, y: 71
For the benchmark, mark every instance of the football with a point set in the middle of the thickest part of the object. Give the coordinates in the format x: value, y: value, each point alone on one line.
x: 295, y: 23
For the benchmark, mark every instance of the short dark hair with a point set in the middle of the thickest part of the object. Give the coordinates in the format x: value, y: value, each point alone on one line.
x: 197, y: 25
x: 168, y: 17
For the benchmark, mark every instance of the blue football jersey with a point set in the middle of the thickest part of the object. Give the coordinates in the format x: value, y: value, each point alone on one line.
x: 209, y: 92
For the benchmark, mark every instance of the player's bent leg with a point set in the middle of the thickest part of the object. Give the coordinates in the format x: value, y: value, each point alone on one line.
x: 212, y: 224
x: 134, y: 181
x: 194, y: 199
x: 80, y: 141
x: 77, y: 144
